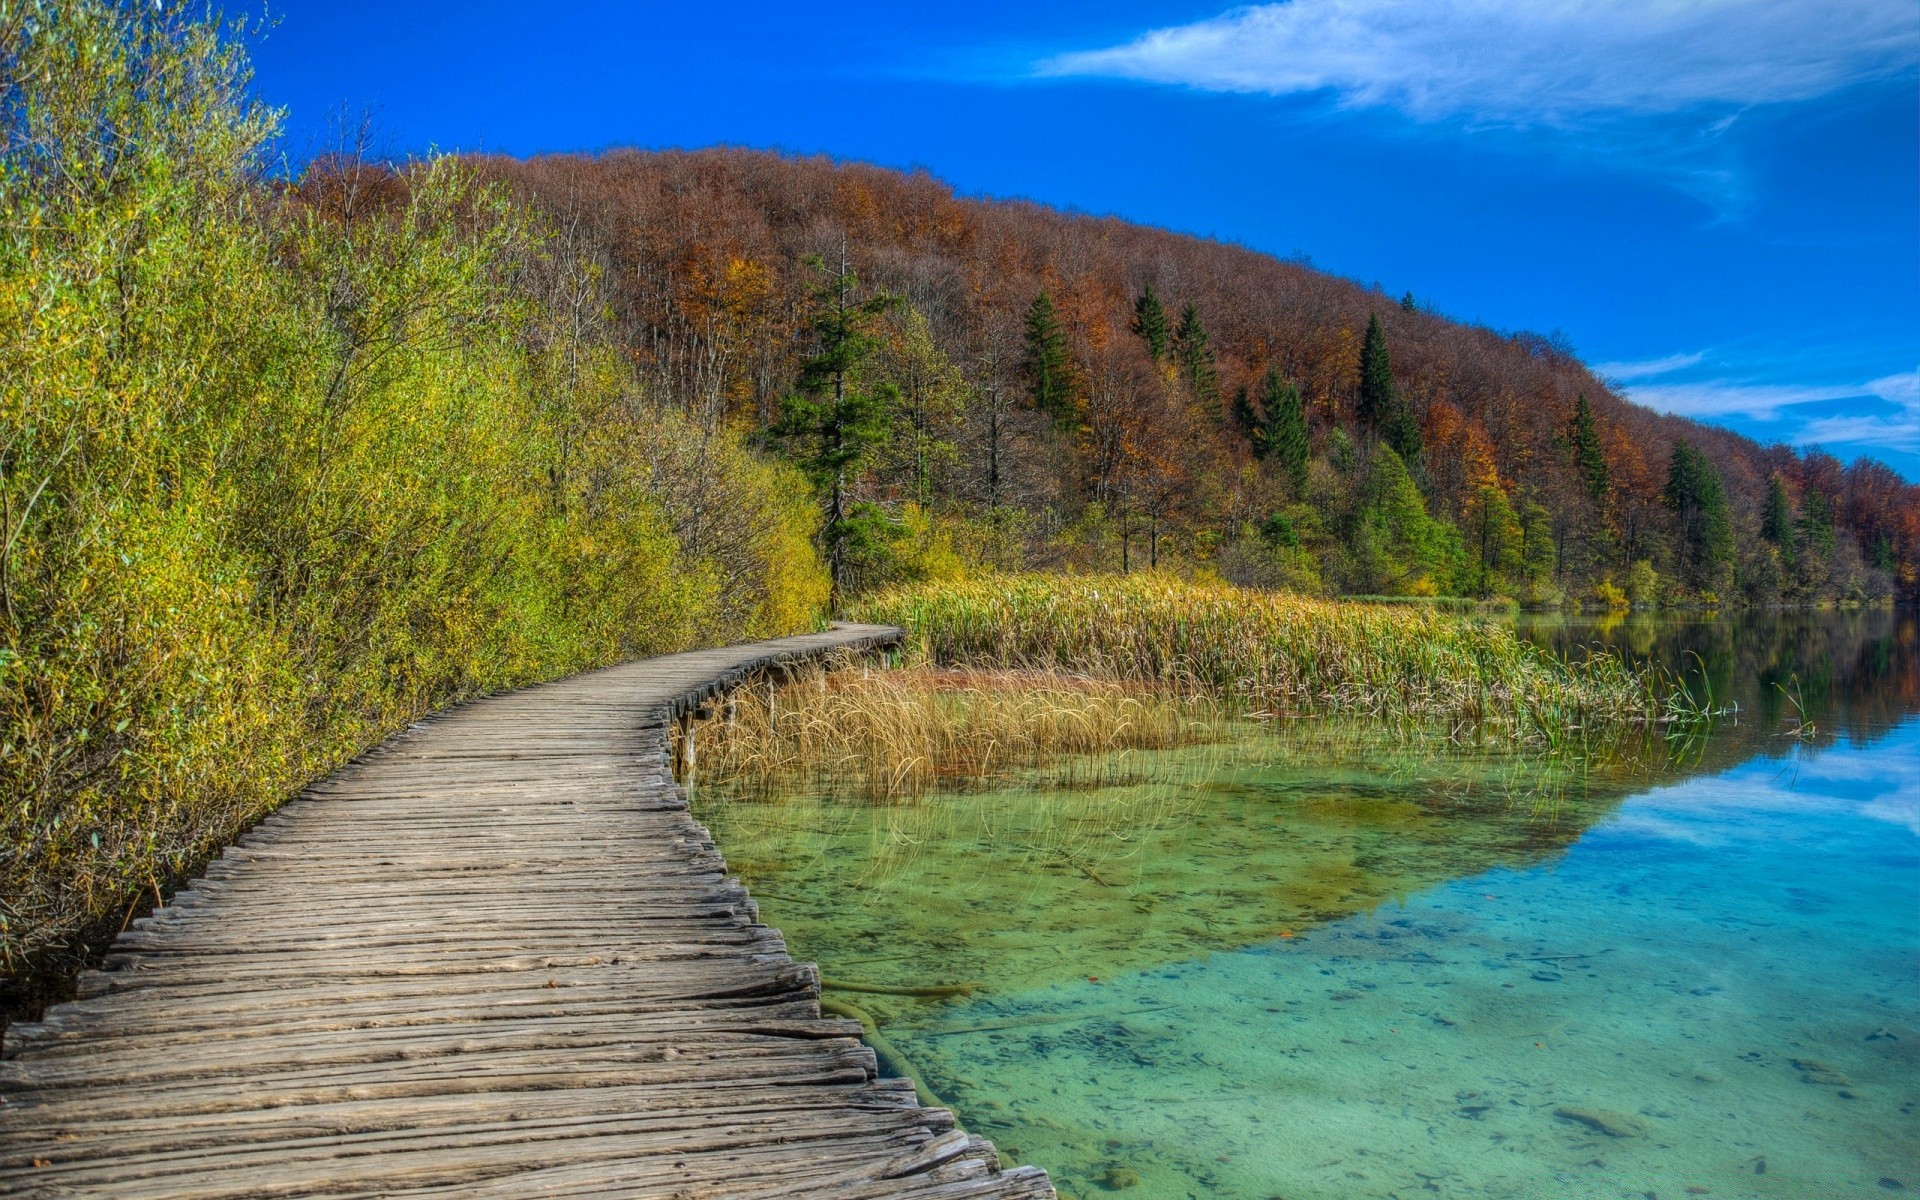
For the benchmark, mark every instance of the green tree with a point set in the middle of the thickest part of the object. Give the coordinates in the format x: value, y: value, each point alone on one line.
x: 1538, y: 555
x: 1816, y: 522
x: 921, y: 453
x: 1703, y: 530
x: 1048, y: 366
x: 1247, y: 419
x: 1588, y: 457
x: 1494, y: 537
x: 1150, y: 322
x: 1196, y: 359
x: 831, y: 424
x: 1284, y: 434
x: 1383, y: 411
x: 1776, y: 517
x: 1396, y: 545
x: 1882, y: 558
x: 1407, y: 303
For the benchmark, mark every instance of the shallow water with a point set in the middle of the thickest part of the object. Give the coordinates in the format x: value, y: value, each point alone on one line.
x: 1309, y: 962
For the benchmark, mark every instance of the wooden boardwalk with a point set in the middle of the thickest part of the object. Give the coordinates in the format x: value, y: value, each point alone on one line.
x: 495, y: 957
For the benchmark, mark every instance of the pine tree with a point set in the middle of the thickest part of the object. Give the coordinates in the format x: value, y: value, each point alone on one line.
x: 1376, y: 379
x: 1285, y: 432
x: 1703, y: 529
x: 1588, y: 457
x: 1150, y: 322
x: 830, y: 425
x: 1816, y: 521
x: 1407, y: 303
x: 1882, y: 558
x: 1776, y: 518
x: 1047, y: 365
x: 1247, y: 419
x: 1196, y: 359
x: 1383, y: 412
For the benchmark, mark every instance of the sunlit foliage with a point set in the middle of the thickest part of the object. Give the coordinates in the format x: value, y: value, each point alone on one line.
x: 283, y: 467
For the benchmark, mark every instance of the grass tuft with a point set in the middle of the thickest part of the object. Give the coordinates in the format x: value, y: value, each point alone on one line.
x: 1271, y: 652
x: 900, y: 734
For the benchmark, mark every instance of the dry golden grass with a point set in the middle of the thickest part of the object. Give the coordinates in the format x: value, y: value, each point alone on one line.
x: 903, y: 733
x: 1266, y: 651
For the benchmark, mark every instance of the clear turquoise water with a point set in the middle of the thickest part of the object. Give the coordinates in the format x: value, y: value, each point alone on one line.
x: 1666, y: 976
x: 1657, y: 977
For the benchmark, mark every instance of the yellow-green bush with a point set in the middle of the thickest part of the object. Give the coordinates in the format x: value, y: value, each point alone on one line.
x: 282, y: 468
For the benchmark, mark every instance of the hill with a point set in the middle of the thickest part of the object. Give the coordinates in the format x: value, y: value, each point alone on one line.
x: 1065, y: 390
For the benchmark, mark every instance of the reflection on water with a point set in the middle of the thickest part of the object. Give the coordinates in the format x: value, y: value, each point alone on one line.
x: 1309, y: 962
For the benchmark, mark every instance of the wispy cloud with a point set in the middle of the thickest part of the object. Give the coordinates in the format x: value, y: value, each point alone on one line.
x: 1526, y: 63
x: 1720, y: 398
x: 1897, y: 430
x: 1648, y: 368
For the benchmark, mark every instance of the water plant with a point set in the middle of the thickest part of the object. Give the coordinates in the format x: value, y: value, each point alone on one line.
x: 1271, y: 652
x: 901, y: 733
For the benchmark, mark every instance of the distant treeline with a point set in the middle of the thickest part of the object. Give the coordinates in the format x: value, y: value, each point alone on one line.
x: 997, y: 383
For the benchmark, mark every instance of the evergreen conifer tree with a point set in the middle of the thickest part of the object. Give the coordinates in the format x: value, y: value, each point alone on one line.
x: 1816, y: 521
x: 1588, y: 457
x: 1196, y: 359
x: 1247, y: 419
x: 1383, y: 412
x: 1776, y: 518
x: 1285, y: 431
x: 1407, y: 303
x: 1047, y: 364
x: 1150, y: 322
x: 1703, y: 529
x: 1376, y: 379
x: 1882, y: 558
x: 831, y: 425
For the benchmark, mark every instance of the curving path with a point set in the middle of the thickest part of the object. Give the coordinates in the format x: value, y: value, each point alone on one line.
x: 494, y: 957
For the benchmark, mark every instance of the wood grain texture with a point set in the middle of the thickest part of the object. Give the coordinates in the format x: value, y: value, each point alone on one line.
x: 495, y: 957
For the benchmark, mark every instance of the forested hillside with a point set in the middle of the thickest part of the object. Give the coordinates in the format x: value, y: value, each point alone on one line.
x: 997, y: 383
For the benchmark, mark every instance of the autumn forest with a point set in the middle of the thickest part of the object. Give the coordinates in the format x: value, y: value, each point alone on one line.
x: 977, y: 383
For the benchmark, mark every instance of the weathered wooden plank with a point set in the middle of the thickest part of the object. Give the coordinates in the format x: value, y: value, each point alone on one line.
x: 494, y: 957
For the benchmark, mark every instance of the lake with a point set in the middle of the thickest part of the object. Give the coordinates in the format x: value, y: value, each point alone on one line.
x: 1309, y: 959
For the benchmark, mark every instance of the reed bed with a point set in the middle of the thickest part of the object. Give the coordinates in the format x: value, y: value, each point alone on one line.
x: 897, y: 734
x: 1271, y: 652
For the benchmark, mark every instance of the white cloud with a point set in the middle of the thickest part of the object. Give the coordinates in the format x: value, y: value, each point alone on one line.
x: 1767, y: 401
x: 1718, y: 398
x: 1648, y: 368
x: 1903, y: 389
x: 1885, y: 433
x: 1880, y: 782
x: 1526, y: 62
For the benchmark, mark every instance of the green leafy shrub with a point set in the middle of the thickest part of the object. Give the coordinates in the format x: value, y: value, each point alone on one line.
x: 283, y: 468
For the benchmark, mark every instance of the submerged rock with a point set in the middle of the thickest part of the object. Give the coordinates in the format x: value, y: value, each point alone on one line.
x: 1600, y: 1120
x: 1117, y: 1178
x: 1812, y: 1070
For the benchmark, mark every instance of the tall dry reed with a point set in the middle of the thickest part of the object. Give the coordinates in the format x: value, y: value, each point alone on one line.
x: 1272, y: 651
x: 903, y: 733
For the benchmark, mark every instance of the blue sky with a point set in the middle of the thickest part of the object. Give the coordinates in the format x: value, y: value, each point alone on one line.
x: 1717, y: 202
